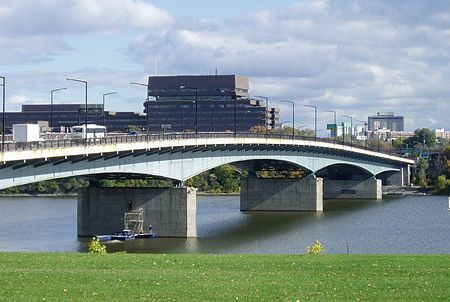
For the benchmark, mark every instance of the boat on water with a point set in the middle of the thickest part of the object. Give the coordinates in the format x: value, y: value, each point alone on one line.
x: 133, y: 228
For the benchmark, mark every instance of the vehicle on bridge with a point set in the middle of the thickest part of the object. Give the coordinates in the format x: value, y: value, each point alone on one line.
x: 91, y: 131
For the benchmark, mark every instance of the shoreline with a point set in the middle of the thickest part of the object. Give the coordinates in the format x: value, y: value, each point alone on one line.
x: 406, y: 191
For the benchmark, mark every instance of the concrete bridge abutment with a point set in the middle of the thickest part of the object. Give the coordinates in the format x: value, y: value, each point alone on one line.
x: 263, y: 194
x: 170, y: 211
x: 352, y: 189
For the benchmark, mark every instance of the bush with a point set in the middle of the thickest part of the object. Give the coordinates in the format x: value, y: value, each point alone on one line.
x: 95, y: 247
x: 315, y: 249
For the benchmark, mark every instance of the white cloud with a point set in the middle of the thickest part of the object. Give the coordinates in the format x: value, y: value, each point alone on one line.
x: 51, y: 17
x: 23, y: 99
x: 350, y: 55
x: 356, y: 57
x: 34, y: 32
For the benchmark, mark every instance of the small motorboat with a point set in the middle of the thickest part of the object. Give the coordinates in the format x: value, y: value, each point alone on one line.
x: 122, y: 236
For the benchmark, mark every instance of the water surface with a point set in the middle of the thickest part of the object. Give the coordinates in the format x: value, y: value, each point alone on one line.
x: 407, y: 224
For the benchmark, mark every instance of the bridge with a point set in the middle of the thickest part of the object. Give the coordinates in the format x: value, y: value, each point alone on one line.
x: 332, y: 170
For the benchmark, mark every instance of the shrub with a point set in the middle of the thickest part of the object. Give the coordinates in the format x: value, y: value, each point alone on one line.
x: 315, y: 249
x: 95, y: 247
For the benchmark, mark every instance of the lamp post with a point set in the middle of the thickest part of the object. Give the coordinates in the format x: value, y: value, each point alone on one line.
x: 233, y: 96
x: 315, y: 119
x: 103, y: 102
x: 334, y: 121
x: 3, y: 114
x: 51, y: 106
x: 267, y: 112
x: 351, y: 128
x: 142, y: 84
x: 146, y: 105
x: 85, y: 104
x: 293, y: 117
x: 196, y: 105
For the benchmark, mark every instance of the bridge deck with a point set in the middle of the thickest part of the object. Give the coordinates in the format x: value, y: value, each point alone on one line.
x: 119, y: 145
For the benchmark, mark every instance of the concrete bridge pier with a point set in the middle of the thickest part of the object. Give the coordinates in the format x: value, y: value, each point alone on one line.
x: 170, y: 211
x: 352, y: 189
x: 400, y: 178
x: 262, y: 194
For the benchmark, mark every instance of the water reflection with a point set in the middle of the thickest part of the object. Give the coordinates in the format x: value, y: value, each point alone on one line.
x: 393, y: 225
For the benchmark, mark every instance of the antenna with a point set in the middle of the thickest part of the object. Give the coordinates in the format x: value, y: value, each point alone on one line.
x: 155, y: 67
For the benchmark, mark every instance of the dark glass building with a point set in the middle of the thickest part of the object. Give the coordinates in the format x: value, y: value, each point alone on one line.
x: 68, y: 115
x: 206, y: 103
x: 386, y: 120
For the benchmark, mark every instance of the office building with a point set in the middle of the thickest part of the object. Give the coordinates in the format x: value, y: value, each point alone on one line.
x: 205, y: 103
x: 441, y: 133
x: 386, y: 120
x: 63, y: 116
x: 177, y: 103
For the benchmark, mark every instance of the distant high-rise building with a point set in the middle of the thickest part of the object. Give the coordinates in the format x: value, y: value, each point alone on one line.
x: 205, y: 103
x: 386, y: 120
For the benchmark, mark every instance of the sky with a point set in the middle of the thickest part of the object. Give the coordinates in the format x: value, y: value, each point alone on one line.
x: 355, y: 57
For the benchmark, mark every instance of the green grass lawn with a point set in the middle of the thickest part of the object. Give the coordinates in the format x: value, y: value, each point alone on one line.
x: 149, y: 277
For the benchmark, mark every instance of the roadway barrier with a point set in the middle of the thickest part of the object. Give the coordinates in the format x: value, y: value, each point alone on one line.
x: 111, y: 140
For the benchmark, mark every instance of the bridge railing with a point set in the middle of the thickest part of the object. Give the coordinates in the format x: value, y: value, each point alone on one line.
x: 118, y: 139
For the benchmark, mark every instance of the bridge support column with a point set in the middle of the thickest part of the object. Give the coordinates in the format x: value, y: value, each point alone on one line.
x: 352, y: 189
x: 170, y: 211
x: 262, y: 194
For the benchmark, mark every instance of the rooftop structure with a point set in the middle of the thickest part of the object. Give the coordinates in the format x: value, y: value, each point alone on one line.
x: 208, y: 86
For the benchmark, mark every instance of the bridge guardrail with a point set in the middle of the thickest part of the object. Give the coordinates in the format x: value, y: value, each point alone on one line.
x: 64, y: 143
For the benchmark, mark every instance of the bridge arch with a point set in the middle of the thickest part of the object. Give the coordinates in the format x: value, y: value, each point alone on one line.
x: 178, y: 166
x: 344, y: 171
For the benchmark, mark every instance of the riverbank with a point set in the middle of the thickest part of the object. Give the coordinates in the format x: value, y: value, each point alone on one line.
x: 127, y: 277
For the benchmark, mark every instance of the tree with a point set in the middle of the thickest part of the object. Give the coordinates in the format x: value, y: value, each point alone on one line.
x: 442, y: 184
x: 422, y: 137
x: 258, y: 129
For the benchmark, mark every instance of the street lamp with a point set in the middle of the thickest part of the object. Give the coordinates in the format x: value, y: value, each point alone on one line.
x: 103, y: 99
x: 267, y: 111
x: 51, y: 106
x: 142, y: 84
x: 85, y: 104
x: 293, y: 117
x: 351, y: 128
x: 315, y: 119
x: 335, y: 125
x: 196, y: 105
x: 235, y: 106
x: 3, y: 114
x: 146, y: 106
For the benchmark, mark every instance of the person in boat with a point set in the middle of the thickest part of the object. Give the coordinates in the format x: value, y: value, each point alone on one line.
x: 150, y: 229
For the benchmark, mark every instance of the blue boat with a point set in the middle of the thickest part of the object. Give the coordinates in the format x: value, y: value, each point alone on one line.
x: 124, y: 235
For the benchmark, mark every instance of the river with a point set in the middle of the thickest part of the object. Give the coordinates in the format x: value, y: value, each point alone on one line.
x: 403, y: 224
